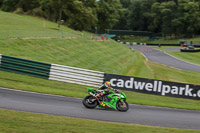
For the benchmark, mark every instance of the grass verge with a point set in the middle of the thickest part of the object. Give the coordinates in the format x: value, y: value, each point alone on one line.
x: 165, y: 49
x: 22, y: 122
x: 187, y: 56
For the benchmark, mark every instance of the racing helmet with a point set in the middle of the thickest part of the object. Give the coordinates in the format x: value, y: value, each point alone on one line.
x: 107, y: 84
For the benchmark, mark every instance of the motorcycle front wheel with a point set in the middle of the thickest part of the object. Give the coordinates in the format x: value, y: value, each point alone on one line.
x: 90, y: 102
x: 122, y: 106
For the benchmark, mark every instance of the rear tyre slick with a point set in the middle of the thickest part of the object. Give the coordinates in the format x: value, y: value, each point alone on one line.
x: 88, y: 103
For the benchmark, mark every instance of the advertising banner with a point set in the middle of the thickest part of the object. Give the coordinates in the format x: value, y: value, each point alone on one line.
x: 157, y: 87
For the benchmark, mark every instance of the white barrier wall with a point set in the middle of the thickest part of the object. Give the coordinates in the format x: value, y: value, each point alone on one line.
x: 0, y: 58
x: 76, y: 75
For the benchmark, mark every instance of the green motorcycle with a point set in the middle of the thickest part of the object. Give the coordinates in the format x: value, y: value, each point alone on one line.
x: 112, y: 100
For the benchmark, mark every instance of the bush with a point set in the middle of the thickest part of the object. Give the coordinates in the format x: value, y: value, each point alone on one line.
x: 36, y: 12
x: 19, y: 11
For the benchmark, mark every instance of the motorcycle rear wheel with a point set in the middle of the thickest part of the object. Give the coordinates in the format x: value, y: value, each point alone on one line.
x: 89, y: 103
x: 122, y: 106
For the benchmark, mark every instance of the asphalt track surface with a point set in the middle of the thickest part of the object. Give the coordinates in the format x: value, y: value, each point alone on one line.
x: 163, y: 58
x: 72, y: 107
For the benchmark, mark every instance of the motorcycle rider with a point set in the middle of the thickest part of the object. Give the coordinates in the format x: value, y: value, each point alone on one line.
x: 104, y: 89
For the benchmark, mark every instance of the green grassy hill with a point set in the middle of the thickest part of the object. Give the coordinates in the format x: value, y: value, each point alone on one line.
x: 21, y: 26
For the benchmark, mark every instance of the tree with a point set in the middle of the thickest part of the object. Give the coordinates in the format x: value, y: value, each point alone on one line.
x: 1, y: 2
x: 122, y: 23
x: 125, y: 3
x: 46, y: 7
x: 168, y: 11
x: 108, y: 13
x: 81, y: 17
x: 58, y: 7
x: 90, y: 3
x: 9, y: 5
x: 28, y: 5
x: 189, y: 15
x: 138, y: 18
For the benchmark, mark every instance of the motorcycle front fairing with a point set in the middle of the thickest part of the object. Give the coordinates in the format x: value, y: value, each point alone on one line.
x: 113, y: 101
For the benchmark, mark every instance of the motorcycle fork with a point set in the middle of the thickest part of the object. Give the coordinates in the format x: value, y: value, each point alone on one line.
x: 122, y: 102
